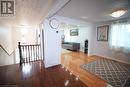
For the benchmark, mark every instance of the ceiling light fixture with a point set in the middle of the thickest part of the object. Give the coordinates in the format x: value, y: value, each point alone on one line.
x: 84, y: 17
x: 118, y: 13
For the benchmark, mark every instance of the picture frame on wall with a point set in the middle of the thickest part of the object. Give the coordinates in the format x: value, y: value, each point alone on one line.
x: 74, y: 32
x: 102, y: 33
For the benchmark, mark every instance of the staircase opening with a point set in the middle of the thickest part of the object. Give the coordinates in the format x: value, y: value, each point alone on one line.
x: 29, y: 53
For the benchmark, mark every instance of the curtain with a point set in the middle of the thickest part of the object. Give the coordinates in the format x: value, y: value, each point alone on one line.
x: 119, y: 37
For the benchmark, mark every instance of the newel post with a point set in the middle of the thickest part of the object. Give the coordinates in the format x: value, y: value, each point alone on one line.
x: 20, y: 54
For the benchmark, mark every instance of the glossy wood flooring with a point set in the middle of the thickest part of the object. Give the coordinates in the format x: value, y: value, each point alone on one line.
x: 73, y: 60
x: 35, y: 75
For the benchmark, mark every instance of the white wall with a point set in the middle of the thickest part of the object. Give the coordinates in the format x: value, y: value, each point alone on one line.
x: 103, y: 49
x: 7, y: 43
x: 85, y: 30
x: 89, y: 31
x: 52, y: 45
x: 6, y: 59
x: 9, y: 38
x: 82, y: 36
x: 27, y: 37
x: 6, y: 37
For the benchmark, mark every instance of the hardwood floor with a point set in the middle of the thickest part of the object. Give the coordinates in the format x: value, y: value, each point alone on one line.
x: 73, y: 60
x: 35, y: 75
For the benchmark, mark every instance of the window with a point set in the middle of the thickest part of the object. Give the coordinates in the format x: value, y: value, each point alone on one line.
x: 120, y: 35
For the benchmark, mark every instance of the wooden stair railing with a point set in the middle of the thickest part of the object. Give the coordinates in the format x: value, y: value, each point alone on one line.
x: 29, y: 53
x: 9, y: 54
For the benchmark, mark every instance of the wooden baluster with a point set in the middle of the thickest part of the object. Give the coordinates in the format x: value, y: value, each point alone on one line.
x: 34, y: 52
x: 38, y: 52
x: 31, y: 52
x: 26, y: 53
x: 23, y: 53
x: 20, y: 54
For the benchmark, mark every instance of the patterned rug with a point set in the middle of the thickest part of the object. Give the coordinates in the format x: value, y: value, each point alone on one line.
x: 115, y: 73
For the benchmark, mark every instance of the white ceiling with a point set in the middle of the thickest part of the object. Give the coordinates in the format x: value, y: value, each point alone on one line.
x: 28, y: 12
x: 94, y: 10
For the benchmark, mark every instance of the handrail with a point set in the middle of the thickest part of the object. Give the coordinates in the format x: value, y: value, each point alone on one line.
x: 6, y: 51
x: 30, y: 45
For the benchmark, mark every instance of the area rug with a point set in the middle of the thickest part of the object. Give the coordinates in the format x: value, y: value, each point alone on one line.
x: 113, y: 72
